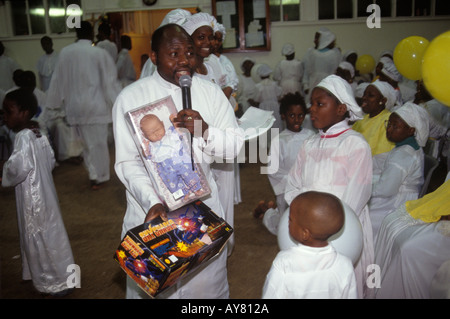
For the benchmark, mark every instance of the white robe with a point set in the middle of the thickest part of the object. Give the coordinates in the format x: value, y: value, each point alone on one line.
x: 125, y: 68
x: 110, y: 47
x: 246, y: 90
x: 338, y: 162
x: 285, y: 153
x: 85, y: 85
x: 318, y: 66
x: 303, y: 272
x: 289, y: 74
x: 45, y: 246
x: 409, y: 252
x: 214, y: 108
x: 399, y: 181
x: 268, y: 92
x: 45, y: 67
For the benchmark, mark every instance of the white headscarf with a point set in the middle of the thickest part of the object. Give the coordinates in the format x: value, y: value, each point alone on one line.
x: 198, y: 20
x: 387, y: 91
x: 177, y: 16
x: 348, y: 66
x: 264, y: 70
x: 326, y: 38
x: 344, y: 93
x: 288, y: 49
x: 417, y: 117
x: 390, y: 70
x: 220, y: 28
x: 360, y: 89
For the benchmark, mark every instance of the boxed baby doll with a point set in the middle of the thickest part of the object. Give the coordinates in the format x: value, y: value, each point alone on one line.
x: 156, y: 255
x: 167, y: 154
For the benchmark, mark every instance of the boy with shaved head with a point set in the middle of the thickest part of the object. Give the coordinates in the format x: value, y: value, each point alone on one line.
x: 312, y: 269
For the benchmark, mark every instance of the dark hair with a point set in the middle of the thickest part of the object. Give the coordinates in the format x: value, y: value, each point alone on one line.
x: 105, y: 29
x: 292, y: 99
x: 25, y: 100
x: 28, y: 80
x: 85, y: 31
x: 158, y: 35
x: 125, y: 42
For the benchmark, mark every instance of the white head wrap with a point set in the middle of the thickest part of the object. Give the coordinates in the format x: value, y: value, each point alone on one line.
x: 360, y: 89
x: 417, y: 117
x: 348, y: 66
x: 288, y: 49
x: 344, y: 93
x: 264, y: 70
x: 347, y: 54
x: 387, y: 91
x: 177, y: 16
x: 198, y: 20
x: 326, y: 38
x: 246, y: 59
x: 220, y: 28
x: 390, y: 70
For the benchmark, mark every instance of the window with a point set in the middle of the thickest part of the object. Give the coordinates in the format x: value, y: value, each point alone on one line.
x: 40, y: 16
x: 284, y: 10
x: 442, y: 7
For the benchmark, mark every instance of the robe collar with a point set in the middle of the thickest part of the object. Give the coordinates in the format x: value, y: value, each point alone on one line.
x: 336, y: 130
x: 411, y: 141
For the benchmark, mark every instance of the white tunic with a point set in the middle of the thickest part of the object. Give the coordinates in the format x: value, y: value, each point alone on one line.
x: 399, y: 181
x: 289, y: 74
x: 7, y: 68
x: 45, y: 67
x: 246, y: 90
x: 45, y: 246
x: 303, y: 272
x: 110, y: 47
x: 224, y: 141
x: 125, y: 68
x: 285, y: 154
x: 338, y: 162
x: 268, y: 92
x: 85, y: 82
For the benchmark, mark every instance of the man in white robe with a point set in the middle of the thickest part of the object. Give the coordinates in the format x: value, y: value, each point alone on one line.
x: 223, y: 139
x: 85, y: 85
x: 46, y: 63
x: 125, y: 66
x: 7, y: 68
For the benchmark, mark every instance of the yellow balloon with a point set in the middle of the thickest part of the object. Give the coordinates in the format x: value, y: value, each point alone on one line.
x: 436, y: 68
x: 408, y: 57
x: 365, y: 64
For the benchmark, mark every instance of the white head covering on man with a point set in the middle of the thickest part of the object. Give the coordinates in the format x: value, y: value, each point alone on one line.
x: 326, y: 38
x: 342, y: 90
x: 418, y: 118
x: 288, y: 49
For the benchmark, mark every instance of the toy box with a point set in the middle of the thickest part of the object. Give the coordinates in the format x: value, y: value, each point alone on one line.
x: 158, y: 254
x: 167, y: 156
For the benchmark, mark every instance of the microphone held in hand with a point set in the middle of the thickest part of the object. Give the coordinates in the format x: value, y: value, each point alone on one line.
x: 185, y: 84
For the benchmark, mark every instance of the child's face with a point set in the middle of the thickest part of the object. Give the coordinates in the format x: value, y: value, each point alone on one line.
x: 203, y: 40
x: 397, y: 130
x: 153, y: 130
x: 294, y: 117
x: 371, y: 101
x: 13, y: 118
x: 325, y: 111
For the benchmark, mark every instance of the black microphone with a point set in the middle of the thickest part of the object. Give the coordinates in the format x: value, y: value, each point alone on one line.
x: 185, y: 84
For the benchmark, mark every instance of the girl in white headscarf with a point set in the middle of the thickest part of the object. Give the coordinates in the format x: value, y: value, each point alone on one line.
x: 321, y: 62
x: 401, y: 176
x: 289, y: 71
x: 378, y: 99
x: 337, y: 160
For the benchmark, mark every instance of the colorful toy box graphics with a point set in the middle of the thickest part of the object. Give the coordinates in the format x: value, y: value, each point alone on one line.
x: 166, y: 153
x: 157, y: 255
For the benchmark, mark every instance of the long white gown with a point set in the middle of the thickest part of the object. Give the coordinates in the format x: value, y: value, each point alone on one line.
x: 338, y: 162
x: 224, y: 140
x: 399, y: 181
x: 289, y: 75
x: 45, y: 248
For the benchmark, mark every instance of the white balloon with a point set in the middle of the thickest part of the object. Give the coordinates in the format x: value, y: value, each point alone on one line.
x: 348, y: 241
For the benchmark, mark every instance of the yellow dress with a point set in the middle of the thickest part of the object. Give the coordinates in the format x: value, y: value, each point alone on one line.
x: 431, y: 207
x: 374, y: 131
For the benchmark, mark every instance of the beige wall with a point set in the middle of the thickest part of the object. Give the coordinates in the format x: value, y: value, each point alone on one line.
x: 352, y: 35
